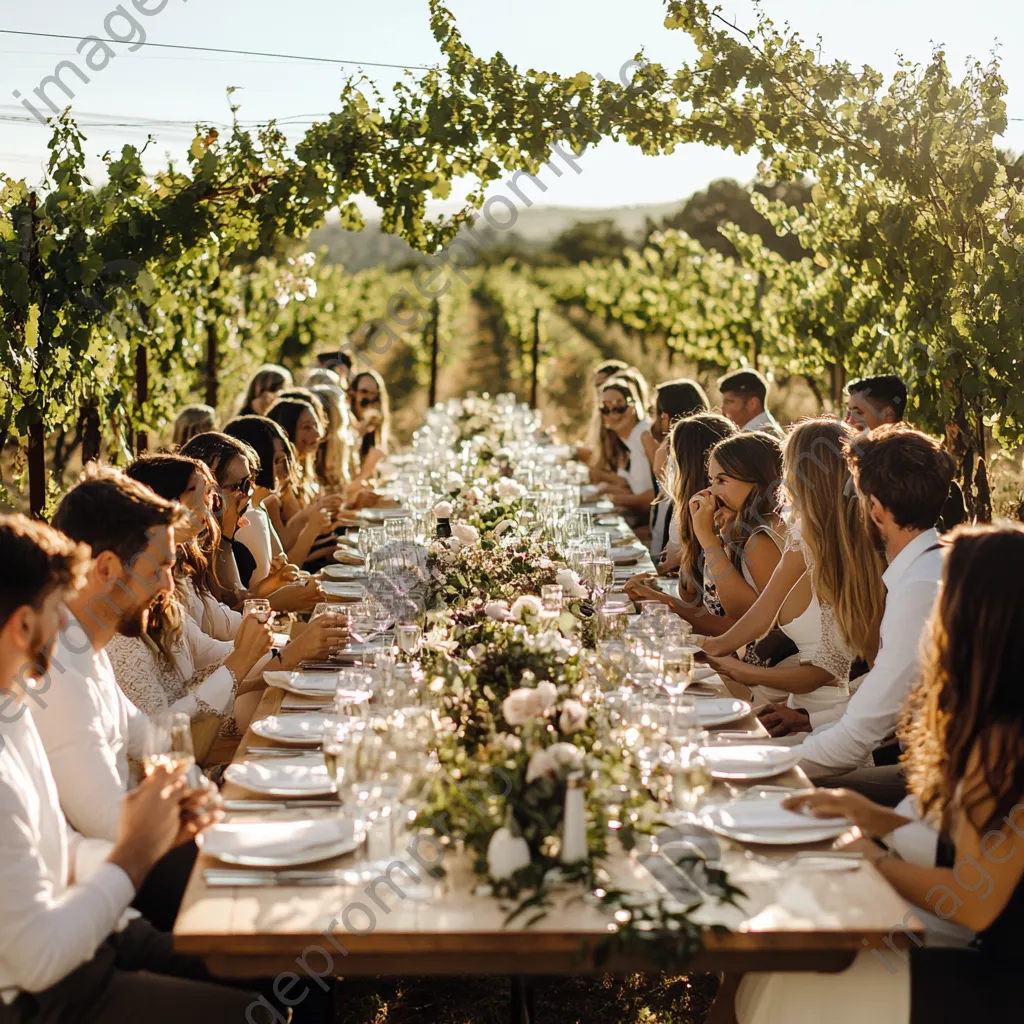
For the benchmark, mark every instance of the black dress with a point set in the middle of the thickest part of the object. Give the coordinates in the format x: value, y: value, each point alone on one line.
x: 980, y: 983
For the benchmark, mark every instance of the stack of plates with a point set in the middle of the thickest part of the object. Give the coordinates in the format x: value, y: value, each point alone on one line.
x: 766, y: 821
x: 721, y: 711
x: 343, y: 573
x: 749, y: 761
x: 343, y: 591
x: 279, y: 844
x: 306, y: 684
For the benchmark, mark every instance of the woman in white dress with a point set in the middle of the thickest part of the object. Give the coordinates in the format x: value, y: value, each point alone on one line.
x: 826, y: 594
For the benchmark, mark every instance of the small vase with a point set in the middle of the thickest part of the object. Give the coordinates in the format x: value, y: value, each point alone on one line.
x: 444, y: 528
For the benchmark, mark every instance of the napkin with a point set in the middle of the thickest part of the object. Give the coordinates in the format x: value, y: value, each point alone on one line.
x: 281, y: 773
x: 770, y: 815
x: 274, y: 838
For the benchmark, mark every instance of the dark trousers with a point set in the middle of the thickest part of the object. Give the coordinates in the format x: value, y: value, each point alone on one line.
x: 953, y: 986
x: 136, y: 976
x: 161, y: 893
x: 885, y: 784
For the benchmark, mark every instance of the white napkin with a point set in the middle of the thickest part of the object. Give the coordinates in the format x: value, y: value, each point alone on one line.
x: 309, y: 726
x: 739, y: 757
x: 770, y: 815
x: 294, y: 776
x: 273, y: 838
x: 319, y: 683
x: 335, y: 588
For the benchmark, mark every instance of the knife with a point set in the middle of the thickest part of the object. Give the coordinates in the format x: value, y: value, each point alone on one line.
x: 237, y: 806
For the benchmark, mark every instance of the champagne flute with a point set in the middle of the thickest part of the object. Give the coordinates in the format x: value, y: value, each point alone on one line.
x: 335, y: 738
x: 678, y: 662
x: 259, y: 608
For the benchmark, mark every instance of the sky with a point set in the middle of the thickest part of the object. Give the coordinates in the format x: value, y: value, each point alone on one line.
x: 165, y: 92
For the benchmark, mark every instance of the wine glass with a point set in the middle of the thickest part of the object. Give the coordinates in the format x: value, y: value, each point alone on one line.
x: 335, y: 738
x: 370, y: 538
x: 409, y: 638
x: 167, y: 742
x: 257, y: 607
x: 678, y: 664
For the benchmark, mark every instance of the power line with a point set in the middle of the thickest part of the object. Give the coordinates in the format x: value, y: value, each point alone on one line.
x: 217, y: 49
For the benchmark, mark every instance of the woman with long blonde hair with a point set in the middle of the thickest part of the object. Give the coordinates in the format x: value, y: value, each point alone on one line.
x: 826, y: 594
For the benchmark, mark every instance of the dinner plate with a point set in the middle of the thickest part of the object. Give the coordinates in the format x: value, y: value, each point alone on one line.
x: 348, y: 591
x: 343, y: 573
x: 702, y: 673
x: 721, y: 711
x: 631, y: 553
x: 749, y: 761
x: 308, y: 684
x: 281, y: 776
x: 384, y: 513
x: 302, y: 730
x: 602, y: 507
x: 279, y: 844
x: 764, y: 821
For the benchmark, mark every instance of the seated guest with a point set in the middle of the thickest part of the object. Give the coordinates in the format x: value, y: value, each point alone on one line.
x: 902, y: 479
x: 625, y: 458
x: 69, y: 952
x: 263, y: 389
x: 338, y: 361
x: 745, y: 402
x: 192, y: 420
x: 875, y: 401
x: 690, y: 442
x: 587, y: 452
x: 674, y: 400
x: 965, y: 766
x: 826, y: 593
x: 371, y: 411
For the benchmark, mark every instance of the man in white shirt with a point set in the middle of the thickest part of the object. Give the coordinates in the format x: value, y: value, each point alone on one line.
x: 902, y: 478
x: 68, y: 953
x: 744, y: 401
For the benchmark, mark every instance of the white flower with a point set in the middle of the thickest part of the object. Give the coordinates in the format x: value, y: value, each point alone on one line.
x: 566, y: 754
x: 572, y: 718
x: 476, y: 651
x: 541, y: 764
x: 570, y: 583
x: 526, y: 608
x: 506, y: 854
x: 473, y: 495
x: 454, y: 482
x: 505, y: 525
x: 510, y: 741
x: 443, y: 510
x: 548, y: 694
x: 497, y: 610
x: 508, y: 490
x: 465, y: 534
x: 522, y: 706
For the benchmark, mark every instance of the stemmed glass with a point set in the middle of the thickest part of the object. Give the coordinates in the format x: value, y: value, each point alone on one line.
x: 370, y: 538
x: 409, y: 638
x: 257, y: 607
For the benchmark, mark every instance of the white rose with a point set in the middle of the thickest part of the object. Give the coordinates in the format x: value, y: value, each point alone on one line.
x: 521, y: 706
x: 454, y: 482
x: 541, y: 764
x: 504, y: 526
x: 473, y: 495
x: 570, y: 583
x: 443, y: 510
x: 466, y: 535
x: 547, y: 692
x: 567, y: 754
x: 477, y: 651
x: 511, y: 742
x: 526, y: 608
x: 506, y: 854
x: 497, y: 610
x: 572, y: 718
x: 508, y: 490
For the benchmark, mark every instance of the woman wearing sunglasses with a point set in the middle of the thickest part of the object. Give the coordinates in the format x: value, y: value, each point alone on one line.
x: 627, y: 452
x: 368, y: 398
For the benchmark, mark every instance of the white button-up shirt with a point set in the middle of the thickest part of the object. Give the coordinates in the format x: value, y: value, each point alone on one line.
x: 912, y: 583
x: 765, y: 422
x: 48, y: 927
x: 89, y: 729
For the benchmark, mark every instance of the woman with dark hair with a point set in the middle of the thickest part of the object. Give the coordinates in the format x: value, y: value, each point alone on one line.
x: 192, y: 420
x: 965, y: 760
x: 690, y: 443
x: 673, y: 401
x: 263, y: 389
x: 371, y: 408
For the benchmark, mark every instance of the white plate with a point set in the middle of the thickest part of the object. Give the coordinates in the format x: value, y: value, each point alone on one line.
x: 749, y: 761
x: 343, y: 573
x: 279, y: 844
x: 384, y: 513
x: 281, y: 776
x: 630, y: 553
x: 764, y: 821
x: 351, y: 591
x: 307, y: 684
x: 300, y: 730
x: 721, y: 711
x: 600, y: 507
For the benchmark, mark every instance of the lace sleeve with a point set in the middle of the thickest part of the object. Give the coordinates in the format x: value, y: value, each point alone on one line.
x: 135, y: 673
x: 832, y: 654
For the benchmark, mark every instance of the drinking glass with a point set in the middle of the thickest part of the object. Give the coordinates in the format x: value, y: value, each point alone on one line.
x: 409, y: 638
x: 678, y: 664
x: 167, y: 741
x: 353, y: 689
x: 322, y: 608
x: 335, y: 738
x: 370, y: 538
x: 258, y: 608
x: 551, y: 596
x: 691, y: 776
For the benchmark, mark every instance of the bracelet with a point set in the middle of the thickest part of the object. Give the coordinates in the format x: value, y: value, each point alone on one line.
x: 275, y: 654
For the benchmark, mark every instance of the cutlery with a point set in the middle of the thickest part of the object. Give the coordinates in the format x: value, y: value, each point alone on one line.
x: 281, y: 753
x: 238, y: 806
x: 217, y: 878
x: 292, y: 709
x: 837, y: 860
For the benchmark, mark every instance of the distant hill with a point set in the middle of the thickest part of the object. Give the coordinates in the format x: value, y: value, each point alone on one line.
x: 535, y: 227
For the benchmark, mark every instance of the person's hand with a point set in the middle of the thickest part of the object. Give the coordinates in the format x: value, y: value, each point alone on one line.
x: 730, y: 667
x: 253, y: 639
x: 780, y: 720
x: 714, y: 648
x: 149, y: 822
x: 282, y: 572
x: 723, y: 517
x: 331, y: 502
x: 583, y: 453
x: 320, y: 520
x: 297, y: 597
x: 636, y: 591
x: 199, y: 810
x: 324, y: 636
x: 702, y: 515
x: 869, y: 817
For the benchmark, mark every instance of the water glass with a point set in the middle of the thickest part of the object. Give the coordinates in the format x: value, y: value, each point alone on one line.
x: 258, y: 608
x: 678, y: 666
x: 370, y: 538
x: 551, y: 596
x: 409, y: 638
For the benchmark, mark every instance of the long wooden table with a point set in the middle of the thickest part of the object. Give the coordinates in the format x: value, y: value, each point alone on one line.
x: 793, y: 920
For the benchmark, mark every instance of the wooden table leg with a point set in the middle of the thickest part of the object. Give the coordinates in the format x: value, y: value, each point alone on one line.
x: 522, y: 1008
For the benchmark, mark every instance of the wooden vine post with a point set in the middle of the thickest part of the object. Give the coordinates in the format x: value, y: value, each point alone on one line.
x: 211, y: 363
x: 36, y: 434
x: 435, y: 313
x: 535, y: 361
x: 141, y: 394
